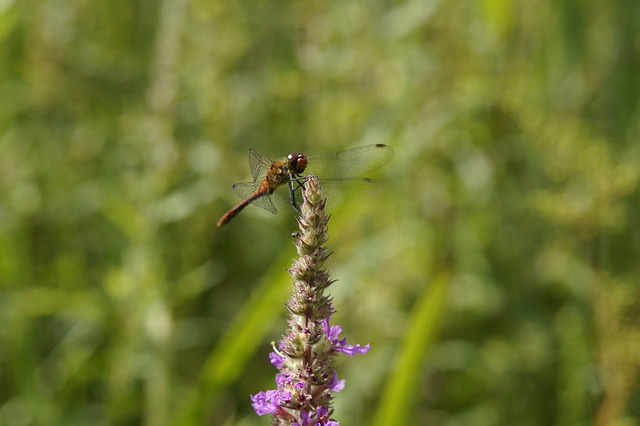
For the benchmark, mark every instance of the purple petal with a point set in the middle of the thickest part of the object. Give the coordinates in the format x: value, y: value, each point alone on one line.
x: 336, y: 385
x: 323, y: 411
x: 282, y: 379
x: 276, y: 360
x: 332, y: 331
x: 352, y: 350
x: 322, y: 414
x: 340, y: 345
x: 305, y: 418
x: 268, y: 402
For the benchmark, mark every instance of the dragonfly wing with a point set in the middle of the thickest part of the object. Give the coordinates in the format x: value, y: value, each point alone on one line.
x: 258, y: 165
x: 338, y: 191
x: 245, y: 189
x: 351, y: 163
x: 266, y: 203
x: 280, y: 199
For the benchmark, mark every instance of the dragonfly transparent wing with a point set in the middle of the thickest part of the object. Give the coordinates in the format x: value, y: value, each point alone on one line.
x: 349, y: 164
x: 245, y: 189
x: 258, y: 165
x: 336, y: 192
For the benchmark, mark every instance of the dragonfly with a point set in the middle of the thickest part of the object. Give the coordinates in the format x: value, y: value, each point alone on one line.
x: 279, y: 182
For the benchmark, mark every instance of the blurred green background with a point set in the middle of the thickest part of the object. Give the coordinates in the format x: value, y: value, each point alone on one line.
x: 496, y: 273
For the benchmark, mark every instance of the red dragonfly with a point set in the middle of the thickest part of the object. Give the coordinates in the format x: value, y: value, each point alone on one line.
x: 340, y: 175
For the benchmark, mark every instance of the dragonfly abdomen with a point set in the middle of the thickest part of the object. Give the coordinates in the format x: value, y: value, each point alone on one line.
x: 241, y: 205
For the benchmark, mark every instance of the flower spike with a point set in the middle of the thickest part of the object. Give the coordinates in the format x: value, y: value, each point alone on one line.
x: 305, y: 355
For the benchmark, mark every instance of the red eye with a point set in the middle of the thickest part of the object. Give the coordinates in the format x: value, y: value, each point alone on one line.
x: 296, y: 162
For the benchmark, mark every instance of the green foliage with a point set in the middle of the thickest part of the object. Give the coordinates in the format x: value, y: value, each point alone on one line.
x: 516, y: 174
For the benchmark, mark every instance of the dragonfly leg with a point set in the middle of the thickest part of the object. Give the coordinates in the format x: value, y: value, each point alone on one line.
x: 295, y: 183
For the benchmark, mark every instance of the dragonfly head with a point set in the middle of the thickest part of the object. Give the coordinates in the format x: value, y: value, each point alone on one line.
x: 296, y: 162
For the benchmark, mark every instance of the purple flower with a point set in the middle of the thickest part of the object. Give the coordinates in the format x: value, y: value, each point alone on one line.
x: 276, y: 359
x: 322, y: 413
x: 269, y: 401
x: 283, y: 380
x: 321, y: 418
x: 341, y: 345
x: 336, y: 385
x: 305, y: 418
x: 306, y: 381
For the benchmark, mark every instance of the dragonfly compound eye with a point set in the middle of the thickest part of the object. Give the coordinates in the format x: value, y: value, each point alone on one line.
x: 297, y: 162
